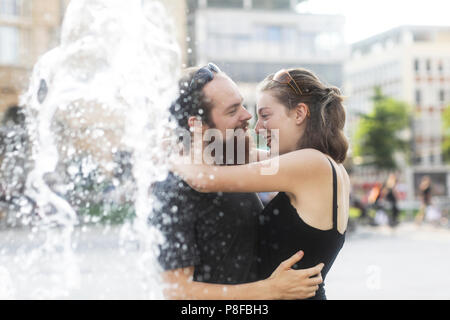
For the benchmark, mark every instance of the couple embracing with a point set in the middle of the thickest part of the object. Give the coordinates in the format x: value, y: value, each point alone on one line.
x: 220, y: 241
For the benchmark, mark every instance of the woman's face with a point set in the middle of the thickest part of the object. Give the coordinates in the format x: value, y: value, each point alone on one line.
x: 274, y: 115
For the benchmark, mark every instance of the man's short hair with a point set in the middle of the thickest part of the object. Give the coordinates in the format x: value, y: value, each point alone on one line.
x: 191, y: 102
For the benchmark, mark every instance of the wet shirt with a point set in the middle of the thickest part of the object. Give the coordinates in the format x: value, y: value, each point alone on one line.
x: 214, y: 232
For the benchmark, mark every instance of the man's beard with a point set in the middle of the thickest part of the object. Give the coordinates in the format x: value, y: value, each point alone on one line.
x: 239, y: 155
x: 236, y: 157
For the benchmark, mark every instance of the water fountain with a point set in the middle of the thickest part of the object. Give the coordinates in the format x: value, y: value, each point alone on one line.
x: 103, y: 92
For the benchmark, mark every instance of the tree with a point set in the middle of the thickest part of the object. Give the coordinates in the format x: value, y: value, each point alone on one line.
x: 446, y: 134
x: 378, y: 136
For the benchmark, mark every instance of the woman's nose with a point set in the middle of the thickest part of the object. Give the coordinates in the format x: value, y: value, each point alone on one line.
x: 259, y: 126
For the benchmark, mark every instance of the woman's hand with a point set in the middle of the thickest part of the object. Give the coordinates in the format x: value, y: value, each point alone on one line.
x: 287, y: 283
x: 198, y: 176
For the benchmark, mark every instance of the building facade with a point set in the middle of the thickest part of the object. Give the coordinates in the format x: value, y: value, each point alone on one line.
x: 177, y: 11
x: 27, y: 30
x: 252, y: 39
x: 411, y: 64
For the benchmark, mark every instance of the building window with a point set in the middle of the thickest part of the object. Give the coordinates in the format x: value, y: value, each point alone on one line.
x: 440, y: 66
x: 441, y: 95
x: 428, y: 65
x: 226, y: 3
x: 418, y: 97
x: 327, y: 41
x: 417, y: 160
x: 9, y: 45
x: 416, y: 65
x: 273, y: 33
x: 9, y: 8
x: 272, y: 4
x: 15, y: 7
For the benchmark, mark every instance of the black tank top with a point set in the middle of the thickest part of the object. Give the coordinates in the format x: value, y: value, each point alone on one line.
x: 282, y: 233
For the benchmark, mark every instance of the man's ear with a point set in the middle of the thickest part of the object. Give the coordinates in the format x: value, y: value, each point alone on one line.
x: 301, y: 113
x: 195, y: 124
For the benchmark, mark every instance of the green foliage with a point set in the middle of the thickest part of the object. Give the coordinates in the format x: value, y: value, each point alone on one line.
x: 90, y: 194
x: 377, y: 136
x: 446, y: 134
x: 102, y: 213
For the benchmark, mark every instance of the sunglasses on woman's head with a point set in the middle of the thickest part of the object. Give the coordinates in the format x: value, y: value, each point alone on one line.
x: 284, y: 77
x: 203, y: 76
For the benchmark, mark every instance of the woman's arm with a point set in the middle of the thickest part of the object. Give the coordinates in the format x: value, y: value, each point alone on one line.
x: 262, y: 154
x: 280, y: 173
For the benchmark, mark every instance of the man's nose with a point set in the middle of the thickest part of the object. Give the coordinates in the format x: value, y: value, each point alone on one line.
x: 245, y: 115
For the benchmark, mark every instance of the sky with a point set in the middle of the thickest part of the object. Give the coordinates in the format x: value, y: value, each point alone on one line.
x: 365, y: 18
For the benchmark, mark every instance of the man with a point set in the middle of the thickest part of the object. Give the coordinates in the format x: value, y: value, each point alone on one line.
x: 211, y: 239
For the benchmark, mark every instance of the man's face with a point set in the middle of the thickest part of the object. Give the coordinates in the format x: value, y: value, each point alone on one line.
x: 228, y: 111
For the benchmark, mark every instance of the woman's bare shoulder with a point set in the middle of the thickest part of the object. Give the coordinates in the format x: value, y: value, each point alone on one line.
x: 310, y: 160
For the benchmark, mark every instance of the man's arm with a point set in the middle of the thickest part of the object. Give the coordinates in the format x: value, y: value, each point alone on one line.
x: 284, y: 283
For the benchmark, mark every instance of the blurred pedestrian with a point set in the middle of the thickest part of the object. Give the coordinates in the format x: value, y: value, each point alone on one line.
x: 390, y: 194
x: 376, y: 202
x: 358, y: 204
x: 374, y: 194
x: 425, y: 189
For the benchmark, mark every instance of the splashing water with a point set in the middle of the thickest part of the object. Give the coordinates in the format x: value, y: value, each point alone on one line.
x: 105, y: 90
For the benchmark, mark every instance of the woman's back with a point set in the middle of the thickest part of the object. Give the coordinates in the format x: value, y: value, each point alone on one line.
x: 284, y: 231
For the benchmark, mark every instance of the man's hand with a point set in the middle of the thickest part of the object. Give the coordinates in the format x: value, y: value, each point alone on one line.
x: 295, y: 284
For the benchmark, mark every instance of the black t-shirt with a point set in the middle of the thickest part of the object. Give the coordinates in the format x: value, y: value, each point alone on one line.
x: 214, y: 232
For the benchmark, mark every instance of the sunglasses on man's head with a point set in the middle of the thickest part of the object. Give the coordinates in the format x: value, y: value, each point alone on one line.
x: 284, y: 77
x: 203, y: 76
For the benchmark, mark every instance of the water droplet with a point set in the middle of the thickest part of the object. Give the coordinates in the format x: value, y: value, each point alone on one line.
x: 26, y: 209
x: 42, y: 92
x: 72, y: 170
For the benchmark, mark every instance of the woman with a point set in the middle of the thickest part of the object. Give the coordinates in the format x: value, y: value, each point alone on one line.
x: 310, y: 211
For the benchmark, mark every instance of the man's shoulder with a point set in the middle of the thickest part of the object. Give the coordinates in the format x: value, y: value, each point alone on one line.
x: 171, y: 183
x: 174, y: 188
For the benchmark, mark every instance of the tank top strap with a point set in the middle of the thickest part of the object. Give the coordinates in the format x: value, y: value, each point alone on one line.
x: 335, y: 205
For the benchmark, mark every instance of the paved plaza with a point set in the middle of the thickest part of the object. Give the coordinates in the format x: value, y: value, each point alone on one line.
x: 376, y: 263
x: 410, y: 262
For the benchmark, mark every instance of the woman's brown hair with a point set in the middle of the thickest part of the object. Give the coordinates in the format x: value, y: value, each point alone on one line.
x: 325, y: 126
